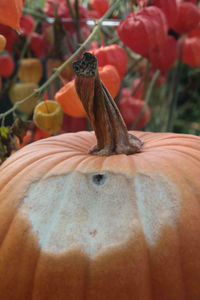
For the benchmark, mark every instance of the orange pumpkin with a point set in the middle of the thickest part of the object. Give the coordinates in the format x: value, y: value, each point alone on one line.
x: 122, y: 227
x: 69, y: 100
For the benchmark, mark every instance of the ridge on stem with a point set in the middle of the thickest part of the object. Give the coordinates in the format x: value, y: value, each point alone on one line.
x: 106, y: 120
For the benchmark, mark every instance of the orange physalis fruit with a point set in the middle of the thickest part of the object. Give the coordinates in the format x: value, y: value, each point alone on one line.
x: 10, y: 13
x: 69, y: 100
x: 113, y: 55
x: 144, y: 30
x: 7, y: 65
x: 2, y: 42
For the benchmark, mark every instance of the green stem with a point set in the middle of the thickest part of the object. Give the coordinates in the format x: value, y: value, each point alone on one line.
x: 147, y: 99
x: 146, y: 80
x: 43, y: 87
x: 175, y: 84
x: 35, y: 14
x: 71, y: 10
x: 23, y: 52
x: 75, y: 16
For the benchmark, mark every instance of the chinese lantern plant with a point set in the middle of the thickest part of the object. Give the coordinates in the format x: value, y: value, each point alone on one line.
x: 191, y: 51
x: 48, y: 116
x: 26, y: 25
x: 140, y: 34
x: 10, y: 13
x: 6, y: 66
x: 69, y: 99
x: 2, y: 42
x: 30, y: 70
x: 120, y: 222
x: 134, y: 110
x: 169, y: 8
x: 188, y: 17
x: 38, y: 44
x: 67, y: 72
x: 10, y: 36
x: 100, y: 6
x: 163, y: 57
x: 20, y: 91
x: 113, y: 55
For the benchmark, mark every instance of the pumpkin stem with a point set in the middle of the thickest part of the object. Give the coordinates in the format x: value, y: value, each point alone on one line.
x: 110, y: 129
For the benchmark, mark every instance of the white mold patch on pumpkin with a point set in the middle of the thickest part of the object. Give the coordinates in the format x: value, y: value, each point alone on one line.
x: 158, y: 204
x: 99, y: 210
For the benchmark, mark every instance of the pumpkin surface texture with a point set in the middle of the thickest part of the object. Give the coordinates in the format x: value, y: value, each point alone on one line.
x: 78, y: 226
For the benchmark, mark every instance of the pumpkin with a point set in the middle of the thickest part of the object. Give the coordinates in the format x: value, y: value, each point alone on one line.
x: 79, y: 226
x: 30, y: 70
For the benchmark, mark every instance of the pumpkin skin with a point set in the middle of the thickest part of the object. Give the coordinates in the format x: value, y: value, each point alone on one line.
x: 134, y: 234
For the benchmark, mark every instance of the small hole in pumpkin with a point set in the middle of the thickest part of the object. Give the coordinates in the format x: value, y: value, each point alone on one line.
x: 99, y: 179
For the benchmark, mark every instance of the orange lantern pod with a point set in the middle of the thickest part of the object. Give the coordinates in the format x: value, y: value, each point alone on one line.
x: 169, y: 8
x: 113, y: 55
x: 10, y: 13
x: 2, y: 42
x: 134, y: 110
x: 7, y: 65
x: 69, y: 100
x: 101, y: 6
x: 140, y: 33
x: 164, y: 56
x: 188, y: 17
x: 67, y: 73
x: 191, y: 52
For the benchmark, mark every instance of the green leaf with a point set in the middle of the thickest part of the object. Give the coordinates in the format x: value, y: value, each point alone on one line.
x: 4, y: 132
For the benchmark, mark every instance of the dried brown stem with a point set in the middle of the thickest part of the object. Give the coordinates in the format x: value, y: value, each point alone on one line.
x: 110, y: 129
